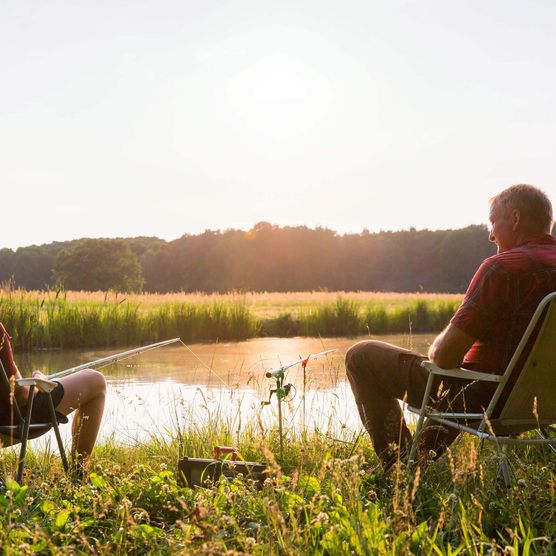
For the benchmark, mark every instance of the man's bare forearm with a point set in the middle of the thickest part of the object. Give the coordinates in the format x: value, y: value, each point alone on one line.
x: 449, y: 348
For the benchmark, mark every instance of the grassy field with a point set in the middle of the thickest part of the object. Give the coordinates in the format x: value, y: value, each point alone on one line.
x: 316, y: 500
x: 97, y: 319
x: 318, y: 497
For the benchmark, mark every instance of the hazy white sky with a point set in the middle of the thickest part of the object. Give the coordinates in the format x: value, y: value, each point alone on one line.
x: 165, y: 117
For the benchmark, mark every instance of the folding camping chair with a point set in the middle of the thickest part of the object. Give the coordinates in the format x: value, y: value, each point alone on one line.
x: 21, y: 429
x: 524, y: 400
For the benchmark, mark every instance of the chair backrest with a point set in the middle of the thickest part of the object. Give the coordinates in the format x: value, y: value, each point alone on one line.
x: 530, y: 395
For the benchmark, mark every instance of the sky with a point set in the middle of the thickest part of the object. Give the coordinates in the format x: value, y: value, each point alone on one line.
x: 166, y: 117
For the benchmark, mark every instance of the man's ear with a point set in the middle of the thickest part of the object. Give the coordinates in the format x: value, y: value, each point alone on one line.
x: 516, y: 219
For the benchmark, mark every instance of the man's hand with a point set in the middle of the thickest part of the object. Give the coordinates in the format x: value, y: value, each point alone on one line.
x: 449, y: 347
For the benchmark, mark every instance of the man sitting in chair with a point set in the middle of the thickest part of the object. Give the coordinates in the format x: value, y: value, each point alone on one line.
x: 482, y: 335
x: 83, y: 392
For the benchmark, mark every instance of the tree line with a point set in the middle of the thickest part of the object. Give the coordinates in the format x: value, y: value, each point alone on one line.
x: 265, y: 258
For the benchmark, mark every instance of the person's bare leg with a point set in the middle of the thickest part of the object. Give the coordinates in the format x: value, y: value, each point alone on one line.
x: 84, y: 393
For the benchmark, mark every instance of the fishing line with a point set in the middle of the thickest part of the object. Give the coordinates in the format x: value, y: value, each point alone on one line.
x: 118, y: 360
x: 185, y: 346
x: 112, y: 358
x: 210, y: 369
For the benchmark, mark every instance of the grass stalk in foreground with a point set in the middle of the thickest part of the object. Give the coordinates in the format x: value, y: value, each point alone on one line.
x: 316, y: 501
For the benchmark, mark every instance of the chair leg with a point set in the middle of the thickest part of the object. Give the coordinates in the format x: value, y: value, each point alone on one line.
x: 503, y: 468
x: 25, y: 434
x: 420, y: 421
x: 54, y: 421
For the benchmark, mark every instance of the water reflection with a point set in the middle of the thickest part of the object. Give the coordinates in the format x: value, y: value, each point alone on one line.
x: 158, y: 392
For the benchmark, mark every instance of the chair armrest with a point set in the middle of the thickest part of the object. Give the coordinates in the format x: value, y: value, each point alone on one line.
x: 41, y: 383
x: 461, y: 373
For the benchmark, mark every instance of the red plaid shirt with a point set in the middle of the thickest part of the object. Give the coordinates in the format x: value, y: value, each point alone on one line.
x: 501, y: 300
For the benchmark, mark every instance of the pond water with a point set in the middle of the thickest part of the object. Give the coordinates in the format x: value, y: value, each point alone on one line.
x: 157, y: 392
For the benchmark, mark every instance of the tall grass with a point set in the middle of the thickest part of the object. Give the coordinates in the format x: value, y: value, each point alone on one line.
x: 347, y: 317
x: 54, y: 321
x: 77, y: 319
x: 316, y: 500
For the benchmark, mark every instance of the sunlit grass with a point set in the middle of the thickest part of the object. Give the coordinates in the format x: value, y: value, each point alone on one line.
x: 262, y: 304
x: 270, y: 305
x: 317, y: 500
x: 61, y: 320
x: 82, y: 319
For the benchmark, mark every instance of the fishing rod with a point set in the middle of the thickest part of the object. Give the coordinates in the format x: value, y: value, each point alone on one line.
x: 282, y: 390
x: 281, y: 370
x: 113, y: 358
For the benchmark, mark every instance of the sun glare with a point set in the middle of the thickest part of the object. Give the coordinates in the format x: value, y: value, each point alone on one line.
x: 279, y: 93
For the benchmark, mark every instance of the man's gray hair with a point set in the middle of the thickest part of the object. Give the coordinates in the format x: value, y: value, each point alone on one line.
x: 533, y: 204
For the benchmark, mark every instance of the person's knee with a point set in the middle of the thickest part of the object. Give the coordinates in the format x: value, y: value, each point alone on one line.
x: 361, y: 368
x: 360, y: 357
x: 96, y: 382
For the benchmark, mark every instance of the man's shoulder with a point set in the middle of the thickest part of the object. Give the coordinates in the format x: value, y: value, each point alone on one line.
x: 531, y: 253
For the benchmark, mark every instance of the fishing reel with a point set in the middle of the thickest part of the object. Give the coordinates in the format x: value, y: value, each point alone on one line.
x: 282, y: 394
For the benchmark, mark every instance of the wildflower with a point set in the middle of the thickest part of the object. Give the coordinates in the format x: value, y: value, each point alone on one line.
x: 250, y: 542
x: 321, y: 519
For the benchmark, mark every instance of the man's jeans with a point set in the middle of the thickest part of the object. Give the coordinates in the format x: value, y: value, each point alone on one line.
x: 380, y: 374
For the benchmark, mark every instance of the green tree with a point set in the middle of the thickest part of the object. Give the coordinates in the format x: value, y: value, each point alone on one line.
x: 98, y: 264
x: 7, y: 259
x: 32, y: 268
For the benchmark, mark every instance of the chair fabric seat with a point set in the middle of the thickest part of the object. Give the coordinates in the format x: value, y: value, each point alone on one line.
x: 11, y: 438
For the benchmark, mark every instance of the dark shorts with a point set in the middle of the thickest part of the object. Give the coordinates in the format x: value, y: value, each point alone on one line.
x: 41, y: 412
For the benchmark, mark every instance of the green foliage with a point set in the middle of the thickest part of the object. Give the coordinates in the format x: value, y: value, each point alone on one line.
x: 56, y: 322
x: 345, y: 317
x: 265, y: 258
x: 98, y: 264
x: 59, y: 323
x: 30, y: 267
x: 317, y: 500
x: 271, y: 258
x: 339, y: 319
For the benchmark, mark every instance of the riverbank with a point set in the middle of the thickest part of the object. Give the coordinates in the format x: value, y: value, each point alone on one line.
x: 316, y: 500
x: 81, y: 319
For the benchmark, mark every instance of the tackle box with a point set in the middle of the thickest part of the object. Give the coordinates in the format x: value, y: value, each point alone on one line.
x: 202, y: 472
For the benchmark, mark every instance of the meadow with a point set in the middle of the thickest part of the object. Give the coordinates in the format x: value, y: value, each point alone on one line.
x: 317, y: 499
x: 60, y: 319
x: 324, y: 494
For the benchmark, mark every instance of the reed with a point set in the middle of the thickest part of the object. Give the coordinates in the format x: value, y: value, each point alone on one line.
x: 80, y: 319
x: 54, y: 321
x: 348, y: 317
